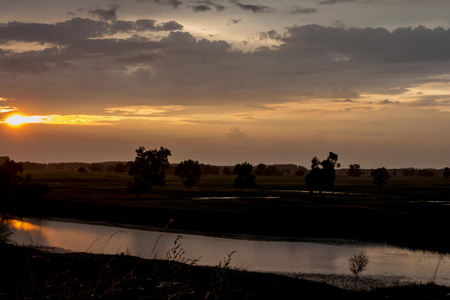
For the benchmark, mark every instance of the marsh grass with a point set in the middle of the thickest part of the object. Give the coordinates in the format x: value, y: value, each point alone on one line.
x: 221, y: 286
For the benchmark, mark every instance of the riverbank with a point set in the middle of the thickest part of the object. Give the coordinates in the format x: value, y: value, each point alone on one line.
x: 408, y: 212
x: 29, y: 273
x: 306, y: 218
x: 294, y: 259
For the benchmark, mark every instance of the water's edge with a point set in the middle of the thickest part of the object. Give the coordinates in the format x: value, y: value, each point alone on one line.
x: 237, y: 236
x: 323, y: 260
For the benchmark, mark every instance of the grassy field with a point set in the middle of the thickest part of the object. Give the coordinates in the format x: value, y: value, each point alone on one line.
x: 408, y: 211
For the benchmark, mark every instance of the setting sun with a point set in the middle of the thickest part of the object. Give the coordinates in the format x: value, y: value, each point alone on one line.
x: 17, y: 120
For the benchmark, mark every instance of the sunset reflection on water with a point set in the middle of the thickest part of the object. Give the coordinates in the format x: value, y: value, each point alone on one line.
x: 20, y: 225
x: 404, y: 265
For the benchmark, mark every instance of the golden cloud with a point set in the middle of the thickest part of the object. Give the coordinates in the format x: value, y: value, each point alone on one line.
x: 144, y: 109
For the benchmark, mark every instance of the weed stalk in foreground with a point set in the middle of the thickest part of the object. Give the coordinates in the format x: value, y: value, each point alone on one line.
x: 159, y: 237
x: 221, y: 285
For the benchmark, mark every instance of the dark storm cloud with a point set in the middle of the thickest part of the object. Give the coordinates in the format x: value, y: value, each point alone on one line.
x: 347, y: 62
x: 205, y: 5
x: 370, y: 44
x: 270, y: 35
x: 387, y: 101
x: 169, y: 26
x: 106, y: 15
x: 253, y: 8
x: 201, y: 8
x: 76, y: 29
x: 144, y: 25
x: 142, y: 58
x: 139, y: 25
x: 73, y: 29
x: 297, y: 10
x: 74, y: 40
x: 183, y: 45
x: 71, y: 13
x: 431, y: 101
x: 308, y: 61
x: 344, y: 101
x: 108, y: 47
x: 329, y: 2
x: 173, y: 3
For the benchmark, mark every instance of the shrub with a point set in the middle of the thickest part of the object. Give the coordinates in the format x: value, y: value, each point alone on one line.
x: 358, y: 264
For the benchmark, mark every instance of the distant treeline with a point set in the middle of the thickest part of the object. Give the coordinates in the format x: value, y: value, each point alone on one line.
x: 206, y: 169
x: 427, y: 172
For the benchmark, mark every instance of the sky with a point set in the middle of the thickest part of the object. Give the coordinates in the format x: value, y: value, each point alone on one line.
x: 227, y: 81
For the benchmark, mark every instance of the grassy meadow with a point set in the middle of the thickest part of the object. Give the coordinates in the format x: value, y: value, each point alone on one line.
x: 408, y: 211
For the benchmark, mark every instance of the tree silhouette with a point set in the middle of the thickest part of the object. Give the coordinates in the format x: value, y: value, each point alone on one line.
x: 209, y: 169
x: 260, y: 169
x: 300, y: 171
x: 9, y: 178
x: 14, y: 186
x: 226, y: 171
x: 149, y: 169
x: 322, y: 174
x: 264, y: 170
x: 425, y: 173
x: 446, y: 172
x: 81, y: 170
x: 354, y: 170
x: 120, y: 168
x: 139, y: 186
x: 380, y: 176
x: 96, y: 167
x: 409, y: 172
x: 189, y: 171
x: 244, y: 178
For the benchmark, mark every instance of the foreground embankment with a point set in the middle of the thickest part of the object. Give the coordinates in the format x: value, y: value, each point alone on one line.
x: 29, y: 273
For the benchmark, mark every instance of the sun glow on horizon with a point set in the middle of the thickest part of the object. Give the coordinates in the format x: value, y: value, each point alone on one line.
x: 17, y: 120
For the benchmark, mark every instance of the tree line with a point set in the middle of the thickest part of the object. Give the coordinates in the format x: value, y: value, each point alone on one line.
x: 261, y: 169
x: 150, y: 166
x: 14, y: 186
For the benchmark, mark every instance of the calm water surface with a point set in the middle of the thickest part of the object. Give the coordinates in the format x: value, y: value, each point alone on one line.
x: 266, y: 256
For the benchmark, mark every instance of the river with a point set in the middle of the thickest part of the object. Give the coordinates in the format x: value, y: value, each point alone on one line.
x: 251, y: 255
